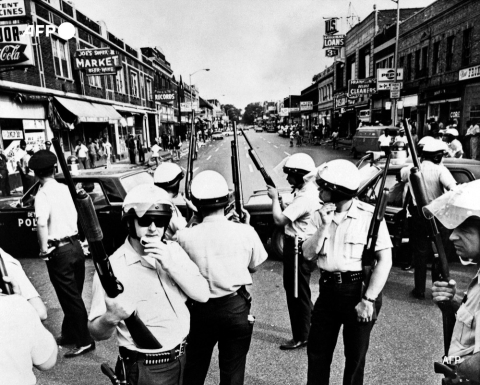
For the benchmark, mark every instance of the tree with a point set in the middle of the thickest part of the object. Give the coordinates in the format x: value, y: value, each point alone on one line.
x: 250, y: 111
x: 233, y: 112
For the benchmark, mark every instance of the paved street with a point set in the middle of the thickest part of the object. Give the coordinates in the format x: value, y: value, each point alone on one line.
x: 404, y: 344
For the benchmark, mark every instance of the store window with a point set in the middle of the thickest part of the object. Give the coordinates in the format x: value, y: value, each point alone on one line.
x: 120, y: 79
x: 467, y: 47
x: 149, y: 89
x: 95, y: 81
x: 61, y: 56
x: 449, y: 54
x: 134, y: 84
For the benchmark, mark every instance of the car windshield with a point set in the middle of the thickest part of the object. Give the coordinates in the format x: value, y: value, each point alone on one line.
x: 131, y: 181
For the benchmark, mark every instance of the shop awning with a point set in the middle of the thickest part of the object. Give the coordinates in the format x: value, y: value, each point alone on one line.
x: 132, y: 110
x: 89, y: 112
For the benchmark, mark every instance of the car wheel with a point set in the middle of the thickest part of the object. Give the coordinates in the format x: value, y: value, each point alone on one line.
x: 277, y: 244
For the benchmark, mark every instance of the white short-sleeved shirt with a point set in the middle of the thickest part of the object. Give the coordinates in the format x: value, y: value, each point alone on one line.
x: 223, y: 251
x: 347, y: 236
x: 455, y: 149
x: 384, y: 140
x: 54, y: 202
x: 399, y: 138
x: 155, y: 150
x: 160, y: 301
x: 107, y: 148
x: 23, y: 341
x: 15, y: 270
x: 473, y: 130
x: 81, y: 150
x: 466, y: 333
x: 300, y: 212
x: 437, y: 179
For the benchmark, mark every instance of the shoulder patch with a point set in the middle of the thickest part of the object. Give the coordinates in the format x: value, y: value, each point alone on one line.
x: 365, y: 207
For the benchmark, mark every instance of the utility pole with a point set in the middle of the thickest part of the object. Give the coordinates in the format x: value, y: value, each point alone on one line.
x: 394, y: 100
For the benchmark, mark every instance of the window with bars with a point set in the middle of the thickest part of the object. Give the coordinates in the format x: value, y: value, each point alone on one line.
x: 61, y: 58
x: 134, y: 84
x: 95, y: 81
x: 467, y: 47
x: 449, y: 53
x: 436, y: 58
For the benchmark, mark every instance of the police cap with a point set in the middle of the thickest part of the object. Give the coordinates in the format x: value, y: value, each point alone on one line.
x: 451, y: 131
x: 167, y: 175
x: 434, y: 146
x: 209, y: 189
x: 42, y: 160
x: 339, y: 175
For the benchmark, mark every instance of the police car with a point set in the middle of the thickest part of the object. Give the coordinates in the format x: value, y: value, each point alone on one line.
x: 107, y: 189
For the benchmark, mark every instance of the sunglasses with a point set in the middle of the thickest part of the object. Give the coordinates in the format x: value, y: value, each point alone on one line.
x: 147, y: 220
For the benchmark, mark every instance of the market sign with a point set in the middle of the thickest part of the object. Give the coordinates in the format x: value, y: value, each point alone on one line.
x: 9, y: 9
x: 331, y: 52
x: 388, y: 74
x: 165, y: 95
x: 97, y: 61
x: 12, y: 134
x: 306, y: 106
x: 362, y: 87
x: 469, y: 73
x: 15, y: 47
x: 333, y: 41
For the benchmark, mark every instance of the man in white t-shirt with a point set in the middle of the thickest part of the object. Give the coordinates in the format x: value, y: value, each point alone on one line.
x: 107, y: 147
x: 81, y: 151
x: 384, y: 140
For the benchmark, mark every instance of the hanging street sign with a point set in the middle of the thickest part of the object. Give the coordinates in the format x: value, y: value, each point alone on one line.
x: 331, y: 26
x: 331, y: 52
x: 333, y: 41
x: 385, y: 86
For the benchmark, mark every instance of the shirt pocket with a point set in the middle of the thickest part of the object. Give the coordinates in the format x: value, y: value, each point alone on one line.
x: 355, y: 242
x: 464, y: 331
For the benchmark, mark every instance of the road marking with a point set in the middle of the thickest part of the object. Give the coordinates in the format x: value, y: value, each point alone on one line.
x: 250, y: 167
x: 246, y: 154
x: 195, y: 169
x: 286, y: 153
x: 209, y: 157
x: 275, y: 146
x: 217, y: 149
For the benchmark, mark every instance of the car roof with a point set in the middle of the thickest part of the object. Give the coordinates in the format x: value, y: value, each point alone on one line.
x: 106, y: 173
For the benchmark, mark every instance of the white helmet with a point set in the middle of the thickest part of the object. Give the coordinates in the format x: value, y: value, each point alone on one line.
x: 425, y: 140
x: 147, y: 197
x: 339, y: 175
x: 300, y: 164
x: 434, y: 146
x: 454, y: 207
x: 167, y: 175
x: 451, y: 131
x: 209, y: 189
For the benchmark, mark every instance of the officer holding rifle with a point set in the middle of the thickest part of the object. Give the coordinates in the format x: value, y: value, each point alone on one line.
x: 157, y: 276
x: 337, y: 246
x: 459, y: 210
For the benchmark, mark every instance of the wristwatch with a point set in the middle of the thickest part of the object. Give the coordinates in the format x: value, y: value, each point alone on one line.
x: 368, y: 299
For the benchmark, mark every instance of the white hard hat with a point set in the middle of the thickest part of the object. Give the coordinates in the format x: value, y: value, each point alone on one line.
x: 167, y: 175
x: 210, y: 189
x: 434, y: 146
x: 425, y: 140
x: 339, y: 175
x: 451, y: 131
x: 147, y: 197
x: 299, y: 164
x: 454, y: 207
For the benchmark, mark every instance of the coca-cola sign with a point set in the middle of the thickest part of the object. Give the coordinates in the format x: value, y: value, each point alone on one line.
x: 15, y: 47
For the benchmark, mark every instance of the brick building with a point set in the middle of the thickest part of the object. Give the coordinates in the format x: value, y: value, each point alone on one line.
x: 324, y: 107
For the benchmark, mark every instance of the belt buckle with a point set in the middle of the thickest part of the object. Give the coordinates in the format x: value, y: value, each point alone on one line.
x: 337, y: 277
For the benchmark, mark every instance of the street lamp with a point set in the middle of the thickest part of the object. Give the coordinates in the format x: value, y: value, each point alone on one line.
x: 203, y: 69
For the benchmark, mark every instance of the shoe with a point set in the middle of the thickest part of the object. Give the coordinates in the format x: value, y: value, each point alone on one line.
x: 407, y: 267
x: 417, y: 295
x: 292, y: 345
x: 62, y: 340
x: 75, y: 352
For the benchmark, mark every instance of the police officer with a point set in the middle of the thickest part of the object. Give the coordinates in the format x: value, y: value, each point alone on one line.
x: 460, y: 210
x: 168, y: 176
x: 297, y: 219
x: 337, y: 246
x: 157, y: 276
x: 455, y: 148
x: 60, y: 247
x: 437, y: 179
x: 226, y: 253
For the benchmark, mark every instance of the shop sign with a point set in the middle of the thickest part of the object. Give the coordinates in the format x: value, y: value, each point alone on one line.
x: 306, y: 106
x: 333, y: 41
x: 36, y: 139
x: 284, y: 111
x: 165, y: 95
x: 331, y: 52
x: 388, y: 74
x: 31, y: 124
x: 331, y: 26
x: 97, y: 61
x: 340, y: 101
x: 469, y: 73
x: 9, y: 9
x: 362, y: 87
x: 15, y: 47
x: 294, y: 109
x: 386, y: 86
x: 454, y: 114
x: 271, y: 108
x: 12, y: 134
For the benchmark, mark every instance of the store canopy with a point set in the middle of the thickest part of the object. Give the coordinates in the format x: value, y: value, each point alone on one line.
x: 89, y: 112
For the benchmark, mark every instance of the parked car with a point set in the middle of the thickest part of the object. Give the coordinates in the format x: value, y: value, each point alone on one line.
x: 366, y: 138
x: 271, y: 128
x: 107, y: 188
x: 218, y: 135
x: 258, y: 129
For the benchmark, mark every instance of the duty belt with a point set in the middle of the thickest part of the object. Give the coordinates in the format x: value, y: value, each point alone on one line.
x: 339, y: 277
x: 154, y: 358
x: 58, y: 242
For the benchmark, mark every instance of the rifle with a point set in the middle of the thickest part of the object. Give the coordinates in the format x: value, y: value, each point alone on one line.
x: 191, y: 152
x: 5, y: 287
x: 142, y: 337
x: 419, y: 188
x: 237, y: 179
x: 368, y: 257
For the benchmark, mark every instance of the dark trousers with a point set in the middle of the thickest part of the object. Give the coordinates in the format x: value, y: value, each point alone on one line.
x: 5, y: 183
x: 160, y: 374
x: 224, y: 321
x: 336, y: 307
x: 299, y: 309
x: 93, y: 159
x: 83, y: 161
x: 131, y: 154
x: 141, y: 155
x: 66, y: 268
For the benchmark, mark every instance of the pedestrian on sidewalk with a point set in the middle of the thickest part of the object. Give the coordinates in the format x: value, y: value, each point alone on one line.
x: 165, y: 141
x: 92, y: 152
x: 155, y: 152
x: 131, y: 149
x: 107, y: 147
x: 473, y: 133
x: 141, y: 152
x: 177, y: 146
x: 81, y: 151
x: 4, y: 181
